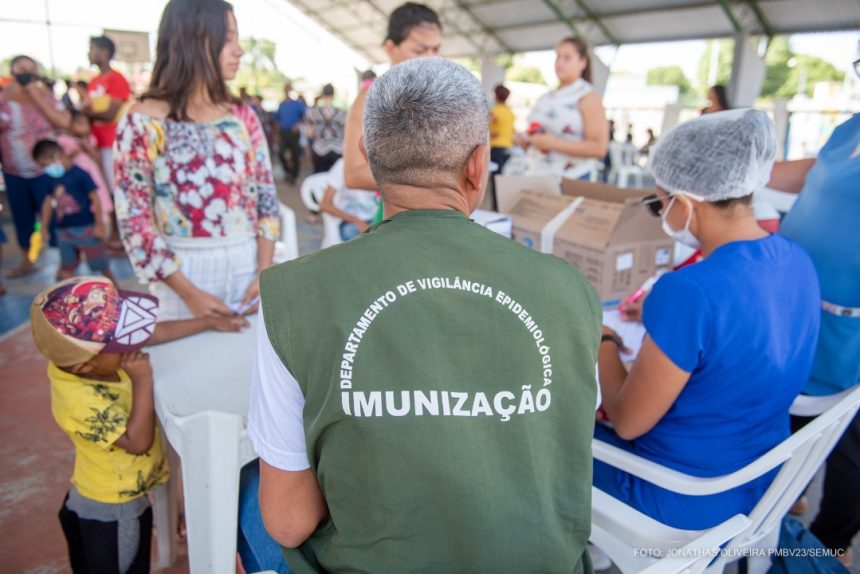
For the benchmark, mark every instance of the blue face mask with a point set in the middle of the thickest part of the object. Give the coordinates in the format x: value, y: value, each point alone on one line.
x: 55, y: 170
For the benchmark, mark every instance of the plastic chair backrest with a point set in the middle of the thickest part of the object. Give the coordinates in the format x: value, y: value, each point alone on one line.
x: 616, y: 154
x: 804, y: 452
x: 289, y: 233
x: 812, y: 406
x: 313, y: 189
x: 694, y: 557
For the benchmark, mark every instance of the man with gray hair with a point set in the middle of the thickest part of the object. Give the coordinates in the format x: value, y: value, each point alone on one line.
x: 432, y: 407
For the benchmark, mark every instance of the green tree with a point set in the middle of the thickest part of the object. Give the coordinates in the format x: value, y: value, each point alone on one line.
x: 258, y: 71
x: 725, y: 55
x: 668, y: 76
x: 786, y: 71
x: 527, y: 74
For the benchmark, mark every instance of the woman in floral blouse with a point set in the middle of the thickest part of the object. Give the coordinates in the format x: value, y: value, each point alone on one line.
x: 195, y: 199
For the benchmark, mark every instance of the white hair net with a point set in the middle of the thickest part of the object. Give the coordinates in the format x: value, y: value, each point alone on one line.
x: 718, y: 156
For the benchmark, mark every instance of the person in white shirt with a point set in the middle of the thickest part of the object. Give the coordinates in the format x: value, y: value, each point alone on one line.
x: 568, y: 125
x: 356, y: 207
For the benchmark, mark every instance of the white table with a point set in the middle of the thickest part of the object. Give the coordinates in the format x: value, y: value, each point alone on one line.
x: 201, y: 398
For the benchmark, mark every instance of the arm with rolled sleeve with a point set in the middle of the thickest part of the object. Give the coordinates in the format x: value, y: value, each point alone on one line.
x: 137, y: 142
x: 291, y: 502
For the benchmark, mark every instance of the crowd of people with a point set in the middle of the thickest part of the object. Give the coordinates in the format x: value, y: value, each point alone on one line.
x: 426, y: 394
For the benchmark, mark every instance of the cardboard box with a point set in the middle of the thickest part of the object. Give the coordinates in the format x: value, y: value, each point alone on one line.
x: 603, y: 231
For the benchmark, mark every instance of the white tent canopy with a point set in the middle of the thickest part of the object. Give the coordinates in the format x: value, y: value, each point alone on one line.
x: 475, y: 28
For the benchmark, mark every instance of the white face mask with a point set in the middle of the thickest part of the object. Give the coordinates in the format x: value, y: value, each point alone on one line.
x: 684, y: 236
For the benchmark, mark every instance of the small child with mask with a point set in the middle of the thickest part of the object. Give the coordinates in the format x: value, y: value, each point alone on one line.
x: 72, y: 204
x: 102, y: 398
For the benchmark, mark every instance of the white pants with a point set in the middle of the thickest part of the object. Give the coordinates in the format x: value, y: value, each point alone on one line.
x: 224, y: 267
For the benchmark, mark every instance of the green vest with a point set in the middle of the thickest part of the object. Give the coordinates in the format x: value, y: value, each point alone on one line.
x: 449, y: 383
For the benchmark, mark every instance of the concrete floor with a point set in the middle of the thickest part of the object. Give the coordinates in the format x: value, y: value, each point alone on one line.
x: 38, y: 456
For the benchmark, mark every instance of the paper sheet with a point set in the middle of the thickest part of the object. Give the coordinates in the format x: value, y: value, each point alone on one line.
x: 631, y: 332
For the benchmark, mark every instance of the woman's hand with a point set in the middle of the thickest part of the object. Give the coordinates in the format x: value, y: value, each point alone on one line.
x: 228, y: 324
x: 203, y: 304
x: 632, y: 310
x: 361, y: 225
x: 252, y: 295
x: 543, y: 142
x: 610, y: 332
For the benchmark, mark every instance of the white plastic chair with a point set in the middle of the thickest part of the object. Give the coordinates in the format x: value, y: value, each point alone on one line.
x: 312, y: 191
x: 694, y: 557
x: 623, y: 165
x: 812, y: 406
x: 287, y: 247
x: 619, y: 529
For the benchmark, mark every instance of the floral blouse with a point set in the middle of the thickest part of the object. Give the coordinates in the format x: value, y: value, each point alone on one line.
x: 185, y: 179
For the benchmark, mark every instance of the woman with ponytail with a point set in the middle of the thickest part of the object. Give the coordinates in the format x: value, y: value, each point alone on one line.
x: 567, y: 125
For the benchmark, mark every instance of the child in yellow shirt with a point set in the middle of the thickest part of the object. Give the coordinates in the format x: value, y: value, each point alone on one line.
x: 101, y: 396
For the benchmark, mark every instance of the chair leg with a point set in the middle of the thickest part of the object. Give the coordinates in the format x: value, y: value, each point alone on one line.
x: 166, y: 511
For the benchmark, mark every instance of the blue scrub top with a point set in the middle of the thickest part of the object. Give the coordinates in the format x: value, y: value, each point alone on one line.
x: 824, y: 222
x: 743, y: 323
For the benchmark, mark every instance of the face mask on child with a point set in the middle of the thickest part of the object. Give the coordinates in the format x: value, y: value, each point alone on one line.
x: 684, y: 236
x: 55, y: 170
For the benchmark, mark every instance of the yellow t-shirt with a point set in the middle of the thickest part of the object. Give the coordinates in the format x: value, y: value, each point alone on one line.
x: 501, y: 126
x: 94, y: 414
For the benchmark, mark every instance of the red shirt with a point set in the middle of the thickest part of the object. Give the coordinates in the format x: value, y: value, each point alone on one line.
x: 116, y: 86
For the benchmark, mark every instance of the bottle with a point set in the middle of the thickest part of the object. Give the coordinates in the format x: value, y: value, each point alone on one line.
x: 35, y: 243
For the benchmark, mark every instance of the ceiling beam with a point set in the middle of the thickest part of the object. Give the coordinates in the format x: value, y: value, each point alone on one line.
x: 762, y: 19
x: 736, y: 24
x: 480, y: 23
x: 589, y: 13
x: 332, y: 30
x: 559, y: 13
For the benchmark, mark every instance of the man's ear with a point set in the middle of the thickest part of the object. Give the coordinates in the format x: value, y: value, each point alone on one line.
x: 389, y: 47
x: 477, y: 170
x: 363, y: 149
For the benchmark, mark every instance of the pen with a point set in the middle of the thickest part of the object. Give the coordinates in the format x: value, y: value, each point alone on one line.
x: 640, y: 293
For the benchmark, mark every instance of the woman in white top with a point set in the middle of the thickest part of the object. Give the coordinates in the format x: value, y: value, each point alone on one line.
x: 567, y: 125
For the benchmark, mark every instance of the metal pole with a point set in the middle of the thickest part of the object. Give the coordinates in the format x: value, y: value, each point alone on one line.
x: 50, y: 39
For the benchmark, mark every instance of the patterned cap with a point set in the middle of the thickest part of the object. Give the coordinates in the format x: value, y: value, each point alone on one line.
x: 81, y: 317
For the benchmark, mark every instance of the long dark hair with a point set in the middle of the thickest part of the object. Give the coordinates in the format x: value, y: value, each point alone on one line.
x: 191, y: 36
x: 581, y: 47
x: 722, y: 97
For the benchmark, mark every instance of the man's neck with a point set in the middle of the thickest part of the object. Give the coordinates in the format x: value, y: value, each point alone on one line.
x: 409, y: 198
x: 104, y: 68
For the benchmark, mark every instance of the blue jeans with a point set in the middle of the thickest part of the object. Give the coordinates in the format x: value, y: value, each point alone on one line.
x: 257, y: 549
x: 348, y: 230
x: 25, y: 196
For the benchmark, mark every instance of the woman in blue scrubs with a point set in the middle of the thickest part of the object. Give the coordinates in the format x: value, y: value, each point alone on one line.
x: 728, y: 347
x: 824, y: 222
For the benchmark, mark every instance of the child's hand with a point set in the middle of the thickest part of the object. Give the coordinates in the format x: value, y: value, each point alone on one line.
x: 137, y: 366
x: 101, y: 231
x: 234, y: 324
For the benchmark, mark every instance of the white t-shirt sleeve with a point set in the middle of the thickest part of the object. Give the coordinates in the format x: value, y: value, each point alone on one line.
x: 275, y: 424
